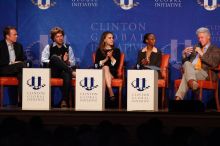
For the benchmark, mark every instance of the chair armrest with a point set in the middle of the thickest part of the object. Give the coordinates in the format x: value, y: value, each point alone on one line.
x: 164, y: 72
x: 216, y: 70
x: 120, y: 72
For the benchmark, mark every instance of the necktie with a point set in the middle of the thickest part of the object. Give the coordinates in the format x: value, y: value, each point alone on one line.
x: 198, y: 65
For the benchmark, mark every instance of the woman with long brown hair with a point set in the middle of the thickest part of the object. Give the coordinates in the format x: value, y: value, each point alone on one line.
x: 108, y: 58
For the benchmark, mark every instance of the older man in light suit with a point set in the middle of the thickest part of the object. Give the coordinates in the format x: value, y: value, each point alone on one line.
x: 197, y: 61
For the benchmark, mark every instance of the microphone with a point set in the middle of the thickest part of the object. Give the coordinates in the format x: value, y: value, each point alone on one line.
x: 199, y: 45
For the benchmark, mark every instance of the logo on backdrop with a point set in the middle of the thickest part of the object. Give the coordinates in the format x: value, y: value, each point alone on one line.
x: 174, y: 48
x: 44, y: 5
x: 130, y: 4
x: 205, y: 3
x: 35, y: 83
x: 88, y: 83
x: 140, y: 84
x: 128, y: 35
x: 84, y: 3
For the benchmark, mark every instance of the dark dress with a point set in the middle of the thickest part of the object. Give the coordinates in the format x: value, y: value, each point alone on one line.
x: 113, y: 68
x: 155, y: 59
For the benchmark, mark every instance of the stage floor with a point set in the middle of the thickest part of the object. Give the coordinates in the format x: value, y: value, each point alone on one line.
x: 203, y: 122
x: 70, y: 116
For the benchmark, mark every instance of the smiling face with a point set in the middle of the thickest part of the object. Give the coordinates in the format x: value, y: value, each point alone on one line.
x: 151, y: 40
x: 12, y: 36
x: 109, y: 40
x: 203, y: 38
x: 59, y: 38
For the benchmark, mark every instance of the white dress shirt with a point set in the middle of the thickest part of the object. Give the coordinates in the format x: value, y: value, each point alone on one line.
x: 46, y: 54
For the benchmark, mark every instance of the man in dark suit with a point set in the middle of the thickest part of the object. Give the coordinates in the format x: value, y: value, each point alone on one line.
x: 197, y: 61
x: 11, y: 57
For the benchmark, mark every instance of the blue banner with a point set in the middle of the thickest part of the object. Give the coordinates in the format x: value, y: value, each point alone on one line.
x: 174, y: 23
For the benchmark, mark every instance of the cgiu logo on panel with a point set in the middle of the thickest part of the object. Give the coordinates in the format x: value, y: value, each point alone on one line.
x: 88, y: 83
x: 140, y: 84
x: 35, y: 83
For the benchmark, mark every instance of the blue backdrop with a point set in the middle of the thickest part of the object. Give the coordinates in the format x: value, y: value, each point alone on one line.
x: 173, y: 21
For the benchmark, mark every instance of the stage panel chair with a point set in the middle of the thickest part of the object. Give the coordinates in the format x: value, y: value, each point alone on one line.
x: 58, y: 82
x: 164, y: 81
x: 119, y: 81
x: 12, y: 81
x: 206, y: 84
x: 6, y: 81
x: 73, y: 83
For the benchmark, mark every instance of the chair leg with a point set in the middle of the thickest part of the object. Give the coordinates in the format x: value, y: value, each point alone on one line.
x: 200, y: 94
x: 70, y: 100
x: 163, y: 98
x: 120, y: 98
x: 175, y: 87
x: 217, y: 100
x: 74, y: 102
x: 2, y: 94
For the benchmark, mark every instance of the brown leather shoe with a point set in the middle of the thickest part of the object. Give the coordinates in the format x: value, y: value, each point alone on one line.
x: 193, y: 84
x: 178, y: 98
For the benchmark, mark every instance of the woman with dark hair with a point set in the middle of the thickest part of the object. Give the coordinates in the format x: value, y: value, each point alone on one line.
x: 149, y: 55
x: 108, y: 58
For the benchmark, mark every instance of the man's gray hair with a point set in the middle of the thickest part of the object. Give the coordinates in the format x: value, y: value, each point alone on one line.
x: 203, y: 30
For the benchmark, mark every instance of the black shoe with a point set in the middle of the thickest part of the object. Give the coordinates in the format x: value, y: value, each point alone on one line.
x: 19, y: 104
x: 112, y: 98
x: 112, y: 101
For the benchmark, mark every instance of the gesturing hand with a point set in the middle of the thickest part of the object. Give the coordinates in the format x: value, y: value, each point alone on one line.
x: 199, y: 50
x: 187, y: 51
x: 65, y: 57
x: 110, y: 54
x: 144, y: 61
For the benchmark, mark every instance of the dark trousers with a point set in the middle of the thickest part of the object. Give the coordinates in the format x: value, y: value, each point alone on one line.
x: 14, y: 70
x: 60, y: 70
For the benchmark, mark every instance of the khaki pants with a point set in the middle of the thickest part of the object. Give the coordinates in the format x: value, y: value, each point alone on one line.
x: 189, y: 74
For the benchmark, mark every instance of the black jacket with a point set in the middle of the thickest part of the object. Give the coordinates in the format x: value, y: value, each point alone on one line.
x: 113, y: 68
x: 4, y: 54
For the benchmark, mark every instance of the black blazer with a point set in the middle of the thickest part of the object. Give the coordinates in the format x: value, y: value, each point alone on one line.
x: 4, y: 54
x: 155, y: 58
x: 113, y: 68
